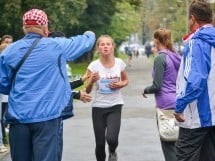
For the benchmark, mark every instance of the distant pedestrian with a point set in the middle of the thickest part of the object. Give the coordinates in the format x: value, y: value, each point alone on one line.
x: 165, y: 70
x: 40, y: 91
x: 195, y: 104
x: 129, y: 53
x: 109, y: 75
x: 148, y: 49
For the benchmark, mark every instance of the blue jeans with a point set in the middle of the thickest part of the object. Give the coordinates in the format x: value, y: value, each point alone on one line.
x: 40, y: 141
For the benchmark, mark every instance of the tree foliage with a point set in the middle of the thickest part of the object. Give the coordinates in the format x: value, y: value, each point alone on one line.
x: 62, y: 14
x: 125, y: 21
x: 97, y: 16
x: 118, y: 18
x: 164, y: 13
x: 69, y: 16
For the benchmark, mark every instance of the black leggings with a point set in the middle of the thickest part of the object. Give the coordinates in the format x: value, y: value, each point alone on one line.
x: 106, y: 124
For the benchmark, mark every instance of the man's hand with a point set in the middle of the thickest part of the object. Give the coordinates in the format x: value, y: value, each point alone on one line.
x: 179, y: 117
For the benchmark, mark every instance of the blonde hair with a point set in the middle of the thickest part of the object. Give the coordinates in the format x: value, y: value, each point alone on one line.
x: 104, y: 36
x: 164, y: 37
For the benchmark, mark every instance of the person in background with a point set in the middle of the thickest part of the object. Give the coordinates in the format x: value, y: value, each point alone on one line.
x: 148, y: 49
x: 165, y: 69
x: 5, y: 41
x: 195, y: 104
x: 109, y: 75
x: 128, y: 52
x: 3, y: 148
x: 40, y: 92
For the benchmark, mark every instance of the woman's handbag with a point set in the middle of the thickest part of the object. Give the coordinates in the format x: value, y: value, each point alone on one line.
x: 168, y: 131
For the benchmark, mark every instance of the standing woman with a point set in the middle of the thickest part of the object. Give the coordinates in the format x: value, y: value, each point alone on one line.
x: 166, y: 65
x: 6, y: 40
x: 109, y: 75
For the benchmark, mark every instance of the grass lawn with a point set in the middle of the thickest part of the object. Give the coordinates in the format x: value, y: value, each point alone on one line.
x: 78, y: 68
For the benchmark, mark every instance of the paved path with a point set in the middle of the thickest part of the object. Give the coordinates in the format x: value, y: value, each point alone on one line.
x: 139, y: 139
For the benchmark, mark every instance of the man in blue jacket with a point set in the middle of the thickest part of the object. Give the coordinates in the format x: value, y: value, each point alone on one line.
x: 195, y: 104
x: 40, y: 91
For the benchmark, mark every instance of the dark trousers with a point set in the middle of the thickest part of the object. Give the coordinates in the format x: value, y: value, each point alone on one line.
x: 169, y: 150
x: 196, y: 144
x: 106, y: 124
x: 36, y: 141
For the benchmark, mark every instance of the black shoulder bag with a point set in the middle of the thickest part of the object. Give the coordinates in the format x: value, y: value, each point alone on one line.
x: 23, y: 60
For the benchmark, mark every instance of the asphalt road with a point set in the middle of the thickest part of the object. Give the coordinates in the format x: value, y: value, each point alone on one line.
x: 138, y: 140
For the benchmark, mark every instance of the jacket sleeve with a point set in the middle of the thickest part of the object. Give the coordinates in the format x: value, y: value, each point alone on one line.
x: 196, y: 71
x: 76, y: 83
x: 76, y: 46
x: 159, y: 67
x: 76, y: 94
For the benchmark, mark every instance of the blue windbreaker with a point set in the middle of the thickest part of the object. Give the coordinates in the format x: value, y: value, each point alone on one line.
x: 196, y: 78
x: 41, y: 88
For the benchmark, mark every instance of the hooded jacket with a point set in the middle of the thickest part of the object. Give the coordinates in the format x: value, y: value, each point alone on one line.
x: 195, y: 82
x: 164, y: 74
